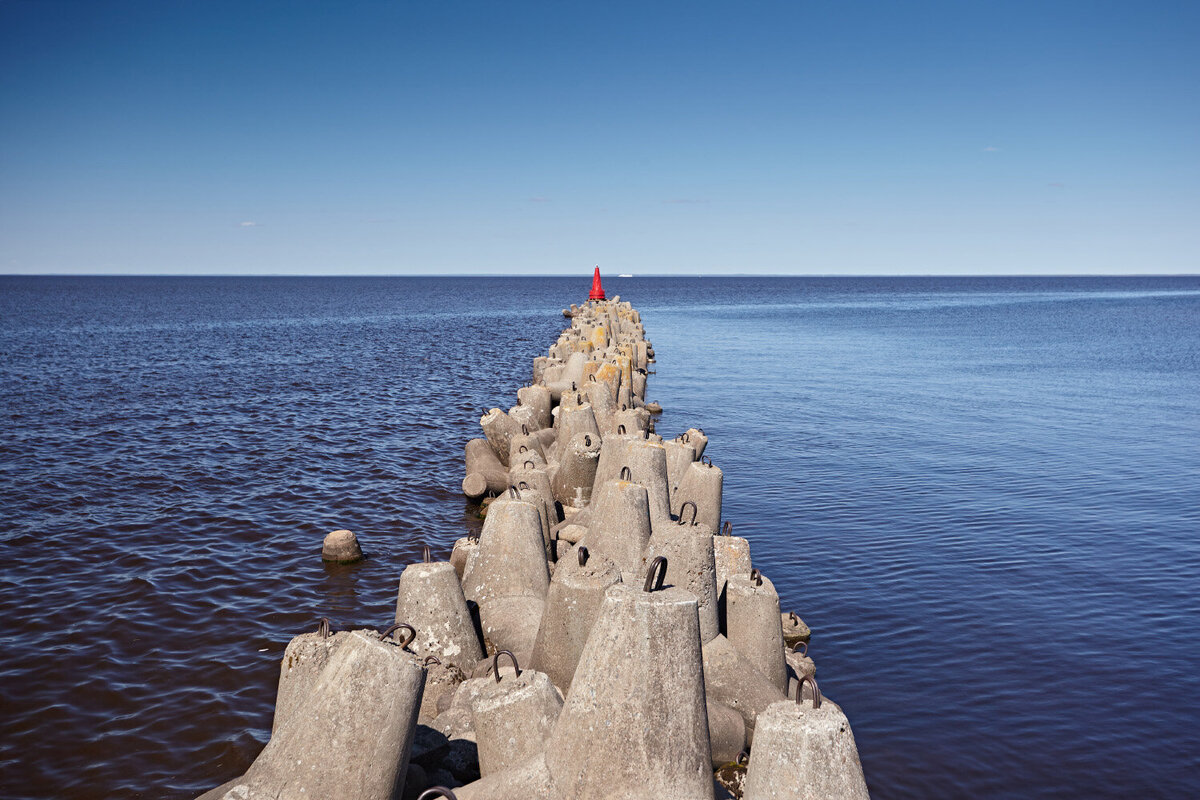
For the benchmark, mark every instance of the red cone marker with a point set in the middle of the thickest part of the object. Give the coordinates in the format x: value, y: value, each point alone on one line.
x: 597, y: 289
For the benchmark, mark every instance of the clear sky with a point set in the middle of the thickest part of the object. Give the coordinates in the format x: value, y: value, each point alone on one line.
x: 433, y: 137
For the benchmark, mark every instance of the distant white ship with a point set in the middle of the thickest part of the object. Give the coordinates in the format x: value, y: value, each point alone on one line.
x: 624, y: 275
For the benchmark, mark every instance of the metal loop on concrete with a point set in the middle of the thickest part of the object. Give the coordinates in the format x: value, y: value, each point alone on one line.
x: 792, y: 616
x: 437, y: 791
x: 578, y: 399
x: 524, y: 429
x: 529, y: 465
x: 323, y: 627
x: 659, y: 566
x: 706, y: 461
x: 624, y: 407
x: 626, y: 474
x: 798, y: 645
x: 523, y: 486
x: 727, y: 528
x: 800, y: 690
x: 756, y: 577
x: 496, y: 663
x: 592, y: 378
x: 685, y: 437
x: 426, y: 556
x: 431, y: 659
x: 473, y: 536
x: 512, y: 492
x: 694, y: 512
x: 587, y: 440
x: 583, y: 555
x: 743, y: 758
x: 620, y: 429
x: 412, y: 633
x: 574, y: 388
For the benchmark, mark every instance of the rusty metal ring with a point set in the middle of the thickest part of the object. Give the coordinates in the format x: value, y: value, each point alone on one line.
x: 431, y: 659
x: 694, y: 512
x: 587, y: 440
x: 437, y: 791
x: 756, y: 576
x: 412, y: 633
x: 578, y: 399
x: 706, y: 461
x: 792, y: 616
x: 524, y: 429
x: 512, y: 492
x: 496, y: 663
x: 574, y: 388
x: 426, y: 556
x: 743, y: 758
x: 800, y: 691
x: 473, y: 536
x: 583, y: 555
x: 523, y: 449
x: 624, y: 407
x: 523, y: 486
x: 592, y: 377
x: 659, y: 566
x: 528, y: 465
x: 620, y: 429
x: 626, y: 474
x: 796, y: 648
x: 323, y: 627
x: 727, y: 528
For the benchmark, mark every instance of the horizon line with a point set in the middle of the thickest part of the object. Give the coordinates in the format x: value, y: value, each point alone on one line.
x: 613, y: 276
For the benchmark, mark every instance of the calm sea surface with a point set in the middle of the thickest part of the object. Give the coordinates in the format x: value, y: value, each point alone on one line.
x: 982, y: 494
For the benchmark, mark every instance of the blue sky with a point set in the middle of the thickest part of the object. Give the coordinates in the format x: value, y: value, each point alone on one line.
x: 506, y: 137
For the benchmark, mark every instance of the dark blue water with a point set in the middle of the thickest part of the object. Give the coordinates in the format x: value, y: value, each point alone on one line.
x: 982, y: 494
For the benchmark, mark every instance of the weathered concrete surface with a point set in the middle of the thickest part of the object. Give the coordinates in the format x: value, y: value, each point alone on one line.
x: 572, y: 604
x: 752, y: 618
x: 690, y: 565
x: 576, y: 474
x: 499, y: 428
x: 350, y: 738
x: 529, y: 781
x: 513, y: 719
x: 341, y: 547
x: 619, y: 527
x: 510, y: 560
x: 726, y: 732
x: 485, y: 473
x: 731, y: 679
x: 538, y: 399
x: 732, y: 557
x: 635, y: 723
x: 701, y: 484
x: 430, y: 599
x: 805, y: 753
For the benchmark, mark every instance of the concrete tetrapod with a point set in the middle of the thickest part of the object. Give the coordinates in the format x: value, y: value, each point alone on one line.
x: 303, y: 660
x: 572, y: 483
x: 732, y: 556
x: 752, y: 619
x: 485, y: 473
x: 647, y: 462
x: 463, y: 548
x: 805, y: 752
x: 688, y: 548
x: 351, y: 737
x: 513, y: 717
x: 619, y: 526
x: 572, y: 604
x: 430, y: 598
x: 499, y: 428
x: 538, y: 399
x: 701, y: 484
x: 680, y: 456
x: 534, y: 486
x: 731, y: 679
x: 573, y: 419
x: 508, y: 576
x: 634, y: 724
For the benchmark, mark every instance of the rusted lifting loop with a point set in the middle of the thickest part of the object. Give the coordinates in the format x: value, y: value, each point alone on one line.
x: 706, y: 461
x: 624, y: 407
x: 727, y: 528
x: 432, y: 660
x: 626, y: 474
x: 437, y: 791
x: 657, y: 566
x: 528, y: 465
x: 800, y: 691
x: 798, y: 645
x: 743, y: 758
x: 792, y: 616
x: 522, y: 449
x: 578, y: 399
x: 496, y: 663
x: 524, y: 429
x: 684, y: 506
x: 426, y: 556
x: 323, y: 627
x: 756, y: 577
x: 592, y: 377
x: 512, y: 492
x: 685, y: 437
x: 583, y: 555
x: 523, y: 486
x: 621, y: 429
x: 412, y: 633
x: 587, y: 440
x: 473, y: 536
x: 574, y: 388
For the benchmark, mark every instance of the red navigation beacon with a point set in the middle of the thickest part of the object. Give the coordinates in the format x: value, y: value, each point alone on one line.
x: 597, y: 289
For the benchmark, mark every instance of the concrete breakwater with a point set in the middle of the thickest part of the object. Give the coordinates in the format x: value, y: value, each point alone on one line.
x: 606, y: 635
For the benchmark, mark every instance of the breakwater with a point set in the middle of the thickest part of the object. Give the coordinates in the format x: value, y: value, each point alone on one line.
x: 604, y: 636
